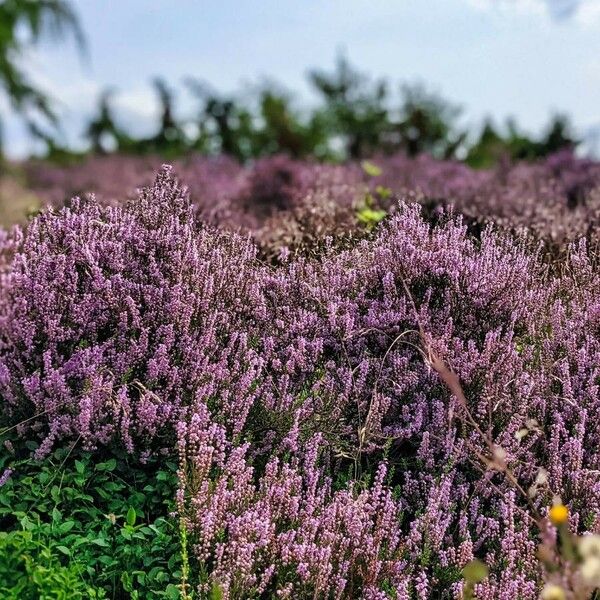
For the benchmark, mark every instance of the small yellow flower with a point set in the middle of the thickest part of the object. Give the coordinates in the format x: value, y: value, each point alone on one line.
x: 552, y: 591
x: 559, y: 514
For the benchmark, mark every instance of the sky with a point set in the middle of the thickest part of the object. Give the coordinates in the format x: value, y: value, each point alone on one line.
x: 495, y: 58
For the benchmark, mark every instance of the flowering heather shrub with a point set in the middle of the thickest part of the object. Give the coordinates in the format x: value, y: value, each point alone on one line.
x: 323, y: 449
x: 290, y: 535
x: 554, y: 198
x: 214, y: 185
x: 111, y: 178
x: 558, y: 199
x: 321, y: 219
x: 274, y: 184
x: 113, y: 319
x: 342, y: 362
x: 213, y: 182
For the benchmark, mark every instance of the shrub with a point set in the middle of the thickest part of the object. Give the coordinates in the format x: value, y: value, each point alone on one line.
x: 363, y: 422
x: 115, y: 319
x: 77, y: 526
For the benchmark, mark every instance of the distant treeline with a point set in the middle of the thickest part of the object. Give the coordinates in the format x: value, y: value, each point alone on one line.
x: 356, y: 116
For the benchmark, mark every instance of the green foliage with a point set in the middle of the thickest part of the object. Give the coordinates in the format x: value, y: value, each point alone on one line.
x: 24, y: 23
x: 370, y: 216
x: 216, y: 593
x: 32, y: 569
x: 358, y: 116
x: 370, y: 168
x: 427, y: 123
x: 103, y: 132
x: 493, y: 146
x: 368, y: 213
x: 355, y: 109
x: 96, y: 529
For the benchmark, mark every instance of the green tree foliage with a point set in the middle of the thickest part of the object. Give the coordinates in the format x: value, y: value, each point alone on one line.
x: 283, y: 130
x: 23, y: 24
x: 224, y: 125
x: 428, y: 123
x: 170, y: 138
x: 493, y: 146
x: 357, y: 117
x: 355, y: 108
x: 103, y: 133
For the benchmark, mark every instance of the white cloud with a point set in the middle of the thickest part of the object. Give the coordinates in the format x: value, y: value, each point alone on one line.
x: 141, y: 101
x: 585, y: 13
x: 70, y: 91
x: 520, y: 7
x: 588, y: 14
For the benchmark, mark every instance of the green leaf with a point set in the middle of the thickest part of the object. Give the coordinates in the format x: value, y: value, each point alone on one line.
x: 172, y: 592
x: 140, y: 576
x: 80, y: 467
x: 371, y: 169
x: 131, y: 516
x: 126, y: 581
x: 475, y: 571
x: 216, y: 593
x: 64, y: 550
x: 109, y: 465
x: 370, y: 216
x: 55, y: 493
x: 100, y: 542
x: 383, y: 192
x: 66, y: 526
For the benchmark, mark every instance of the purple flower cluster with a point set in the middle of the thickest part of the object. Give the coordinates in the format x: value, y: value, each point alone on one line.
x: 281, y: 201
x: 321, y: 453
x: 115, y: 318
x: 289, y: 533
x: 556, y: 199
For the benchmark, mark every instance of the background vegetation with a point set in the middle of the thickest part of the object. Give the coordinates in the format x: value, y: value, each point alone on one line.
x: 355, y: 116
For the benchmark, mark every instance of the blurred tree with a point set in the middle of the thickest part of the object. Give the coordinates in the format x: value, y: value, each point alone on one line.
x: 489, y: 148
x: 559, y: 136
x: 170, y: 139
x: 225, y: 125
x: 354, y: 120
x: 23, y: 24
x: 103, y: 132
x: 55, y: 150
x: 282, y: 130
x: 428, y: 124
x: 232, y: 125
x: 202, y: 139
x: 519, y: 145
x: 355, y: 108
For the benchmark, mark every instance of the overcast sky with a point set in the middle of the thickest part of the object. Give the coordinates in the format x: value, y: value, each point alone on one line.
x: 494, y: 57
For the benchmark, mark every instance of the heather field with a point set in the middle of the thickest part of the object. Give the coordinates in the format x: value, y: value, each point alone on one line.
x: 292, y: 379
